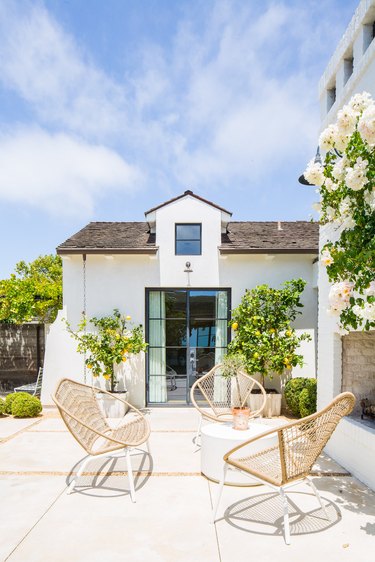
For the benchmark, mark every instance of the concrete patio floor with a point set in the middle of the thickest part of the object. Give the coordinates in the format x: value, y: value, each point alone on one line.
x: 171, y: 520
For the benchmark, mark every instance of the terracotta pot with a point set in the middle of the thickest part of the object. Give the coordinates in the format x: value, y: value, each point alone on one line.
x: 241, y: 417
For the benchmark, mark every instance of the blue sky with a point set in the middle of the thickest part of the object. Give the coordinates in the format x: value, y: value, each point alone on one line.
x: 109, y: 107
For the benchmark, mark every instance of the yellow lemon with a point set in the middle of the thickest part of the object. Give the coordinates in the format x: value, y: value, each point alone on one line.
x: 128, y: 318
x: 89, y: 366
x: 107, y: 376
x: 124, y: 358
x: 288, y: 333
x: 272, y: 330
x: 286, y: 361
x: 256, y: 355
x: 257, y: 333
x: 235, y: 326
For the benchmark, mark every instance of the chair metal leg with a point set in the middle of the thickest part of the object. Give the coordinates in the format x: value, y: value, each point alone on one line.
x: 220, y: 491
x: 312, y: 485
x: 286, y: 516
x: 79, y: 473
x: 130, y: 475
x: 198, y: 434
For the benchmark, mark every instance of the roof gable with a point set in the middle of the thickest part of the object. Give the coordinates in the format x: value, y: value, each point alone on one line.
x: 188, y: 193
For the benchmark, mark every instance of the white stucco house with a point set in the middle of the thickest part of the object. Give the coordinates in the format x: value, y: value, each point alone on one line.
x: 179, y: 273
x: 348, y: 363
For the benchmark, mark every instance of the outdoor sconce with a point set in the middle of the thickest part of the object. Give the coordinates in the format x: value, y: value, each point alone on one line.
x: 188, y: 270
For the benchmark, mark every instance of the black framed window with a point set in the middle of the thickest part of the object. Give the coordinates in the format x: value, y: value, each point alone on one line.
x: 188, y: 239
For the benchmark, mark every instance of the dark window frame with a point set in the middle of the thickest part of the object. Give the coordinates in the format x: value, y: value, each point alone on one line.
x: 176, y: 240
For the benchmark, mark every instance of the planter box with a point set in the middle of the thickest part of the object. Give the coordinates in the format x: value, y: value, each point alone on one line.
x: 110, y: 407
x: 272, y: 407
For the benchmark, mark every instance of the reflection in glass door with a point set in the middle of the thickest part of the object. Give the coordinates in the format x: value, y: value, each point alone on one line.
x: 187, y: 332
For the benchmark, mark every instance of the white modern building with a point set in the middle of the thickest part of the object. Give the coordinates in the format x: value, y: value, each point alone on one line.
x: 348, y: 363
x: 179, y: 273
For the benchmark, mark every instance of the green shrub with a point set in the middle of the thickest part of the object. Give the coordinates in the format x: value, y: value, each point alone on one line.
x: 307, y: 399
x: 293, y: 389
x: 26, y: 406
x: 2, y: 407
x: 10, y: 398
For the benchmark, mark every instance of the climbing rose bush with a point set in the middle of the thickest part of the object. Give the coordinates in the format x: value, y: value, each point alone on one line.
x: 346, y: 184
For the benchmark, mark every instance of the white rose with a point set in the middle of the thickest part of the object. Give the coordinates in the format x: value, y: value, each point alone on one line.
x: 346, y: 121
x: 314, y: 173
x: 326, y: 258
x: 359, y: 102
x: 327, y: 139
x: 366, y: 125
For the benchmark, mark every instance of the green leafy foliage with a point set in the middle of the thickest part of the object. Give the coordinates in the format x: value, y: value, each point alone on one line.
x: 9, y: 399
x: 111, y: 343
x: 26, y: 406
x: 292, y: 392
x: 2, y: 406
x: 307, y: 399
x: 300, y: 396
x: 33, y: 292
x: 264, y: 336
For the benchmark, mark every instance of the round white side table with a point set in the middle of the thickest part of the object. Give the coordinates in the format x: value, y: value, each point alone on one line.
x: 219, y: 438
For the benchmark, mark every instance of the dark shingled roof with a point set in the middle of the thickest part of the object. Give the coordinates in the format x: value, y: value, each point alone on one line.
x: 263, y: 237
x: 242, y: 237
x: 115, y: 237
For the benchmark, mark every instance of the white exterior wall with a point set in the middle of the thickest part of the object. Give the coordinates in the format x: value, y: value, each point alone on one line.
x: 119, y: 281
x: 353, y: 444
x: 206, y: 266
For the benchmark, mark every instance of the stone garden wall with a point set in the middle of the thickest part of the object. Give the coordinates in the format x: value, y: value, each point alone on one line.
x: 358, y: 366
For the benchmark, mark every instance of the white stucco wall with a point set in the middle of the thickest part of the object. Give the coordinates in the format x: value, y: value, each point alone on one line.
x: 119, y: 281
x: 206, y: 266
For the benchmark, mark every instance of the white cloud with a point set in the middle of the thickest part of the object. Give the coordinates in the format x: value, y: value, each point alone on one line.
x: 227, y: 104
x: 58, y: 173
x: 47, y: 68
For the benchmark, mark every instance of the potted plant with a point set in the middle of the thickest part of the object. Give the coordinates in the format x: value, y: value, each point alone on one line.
x: 264, y: 335
x: 111, y: 344
x: 232, y: 364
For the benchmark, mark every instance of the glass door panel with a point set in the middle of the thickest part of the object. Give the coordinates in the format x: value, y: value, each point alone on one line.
x: 187, y: 336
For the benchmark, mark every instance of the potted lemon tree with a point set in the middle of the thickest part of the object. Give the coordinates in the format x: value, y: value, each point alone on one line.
x: 111, y: 342
x: 265, y: 338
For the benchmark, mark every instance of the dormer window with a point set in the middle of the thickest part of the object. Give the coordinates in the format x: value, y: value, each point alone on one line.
x: 188, y: 239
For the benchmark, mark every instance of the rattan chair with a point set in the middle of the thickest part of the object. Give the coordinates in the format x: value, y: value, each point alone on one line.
x: 289, y: 461
x: 214, y: 396
x: 84, y: 419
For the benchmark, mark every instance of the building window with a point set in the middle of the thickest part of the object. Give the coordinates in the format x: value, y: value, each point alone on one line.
x: 348, y: 68
x: 331, y: 97
x: 188, y: 239
x: 368, y: 35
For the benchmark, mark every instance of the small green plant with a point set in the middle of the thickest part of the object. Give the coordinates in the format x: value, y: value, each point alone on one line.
x: 300, y: 396
x: 26, y: 406
x: 231, y: 365
x: 307, y: 399
x: 9, y: 400
x: 110, y: 344
x: 2, y: 407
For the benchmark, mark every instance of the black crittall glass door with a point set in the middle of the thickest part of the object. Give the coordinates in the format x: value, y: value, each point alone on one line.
x: 187, y: 332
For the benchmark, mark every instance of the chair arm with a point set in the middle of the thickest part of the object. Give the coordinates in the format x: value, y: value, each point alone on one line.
x: 256, y: 438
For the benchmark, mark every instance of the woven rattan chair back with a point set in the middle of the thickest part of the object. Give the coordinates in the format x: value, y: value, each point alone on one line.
x: 298, y: 445
x: 83, y: 417
x: 301, y: 443
x: 215, y: 396
x: 80, y: 411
